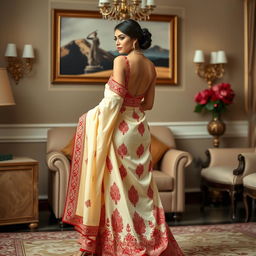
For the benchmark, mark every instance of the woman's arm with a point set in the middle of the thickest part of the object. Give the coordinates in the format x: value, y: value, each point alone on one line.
x: 119, y: 70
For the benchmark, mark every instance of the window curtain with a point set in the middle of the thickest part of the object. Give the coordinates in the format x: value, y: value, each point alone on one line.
x: 250, y: 67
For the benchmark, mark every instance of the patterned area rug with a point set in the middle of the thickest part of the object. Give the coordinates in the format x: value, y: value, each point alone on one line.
x: 210, y: 240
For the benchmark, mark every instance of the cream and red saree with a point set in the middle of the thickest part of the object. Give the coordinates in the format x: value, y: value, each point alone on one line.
x: 112, y: 199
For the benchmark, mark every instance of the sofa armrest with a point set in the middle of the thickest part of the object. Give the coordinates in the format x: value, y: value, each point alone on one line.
x: 173, y: 164
x: 58, y: 163
x: 174, y: 160
x: 247, y: 164
x: 225, y: 156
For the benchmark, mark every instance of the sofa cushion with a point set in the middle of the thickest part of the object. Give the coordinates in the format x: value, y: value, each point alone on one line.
x: 158, y: 148
x: 221, y: 174
x: 164, y: 181
x: 250, y: 181
x: 68, y: 149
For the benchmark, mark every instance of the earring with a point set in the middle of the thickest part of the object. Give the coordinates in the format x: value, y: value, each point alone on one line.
x: 134, y: 46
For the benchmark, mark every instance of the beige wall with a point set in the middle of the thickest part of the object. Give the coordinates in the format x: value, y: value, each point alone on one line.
x: 203, y: 24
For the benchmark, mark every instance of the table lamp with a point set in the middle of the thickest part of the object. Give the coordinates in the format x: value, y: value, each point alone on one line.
x: 6, y: 99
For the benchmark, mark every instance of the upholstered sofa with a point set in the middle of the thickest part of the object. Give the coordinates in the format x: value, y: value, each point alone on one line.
x: 169, y: 172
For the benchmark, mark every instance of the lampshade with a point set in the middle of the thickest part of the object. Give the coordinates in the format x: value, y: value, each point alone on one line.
x: 28, y: 51
x: 198, y: 57
x: 143, y: 4
x: 221, y: 57
x: 11, y: 50
x: 150, y: 2
x: 104, y: 2
x: 213, y: 59
x: 6, y: 97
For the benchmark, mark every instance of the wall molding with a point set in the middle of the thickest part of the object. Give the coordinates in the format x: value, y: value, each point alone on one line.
x: 34, y: 133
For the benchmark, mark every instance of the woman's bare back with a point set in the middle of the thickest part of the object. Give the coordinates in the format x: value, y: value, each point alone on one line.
x: 141, y: 75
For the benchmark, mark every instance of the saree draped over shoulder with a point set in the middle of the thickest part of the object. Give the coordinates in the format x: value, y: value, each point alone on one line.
x: 112, y: 199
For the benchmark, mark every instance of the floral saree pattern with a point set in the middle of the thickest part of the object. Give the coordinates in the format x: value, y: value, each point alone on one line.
x: 112, y: 199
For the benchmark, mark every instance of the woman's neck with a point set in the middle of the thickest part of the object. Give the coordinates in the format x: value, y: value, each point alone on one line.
x: 136, y: 52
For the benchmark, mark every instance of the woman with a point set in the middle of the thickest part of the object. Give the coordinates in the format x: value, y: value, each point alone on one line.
x: 112, y: 199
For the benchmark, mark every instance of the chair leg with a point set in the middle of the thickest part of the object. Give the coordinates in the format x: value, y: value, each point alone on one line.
x: 253, y: 205
x: 232, y: 194
x: 61, y: 224
x: 246, y: 207
x: 177, y: 216
x: 204, y: 192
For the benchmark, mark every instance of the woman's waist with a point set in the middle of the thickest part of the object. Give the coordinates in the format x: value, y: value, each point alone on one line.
x: 132, y: 114
x: 132, y: 102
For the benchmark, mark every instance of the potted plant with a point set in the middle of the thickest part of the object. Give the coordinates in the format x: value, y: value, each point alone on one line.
x: 215, y: 100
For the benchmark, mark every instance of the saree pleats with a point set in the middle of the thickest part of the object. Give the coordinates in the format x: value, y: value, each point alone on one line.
x: 112, y: 199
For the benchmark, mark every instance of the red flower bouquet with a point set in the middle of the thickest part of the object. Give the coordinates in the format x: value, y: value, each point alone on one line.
x: 214, y: 99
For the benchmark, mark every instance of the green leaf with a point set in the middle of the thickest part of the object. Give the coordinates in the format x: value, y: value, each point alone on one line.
x: 198, y: 108
x: 210, y: 106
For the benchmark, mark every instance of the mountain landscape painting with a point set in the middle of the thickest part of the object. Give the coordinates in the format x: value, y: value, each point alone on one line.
x: 79, y: 36
x: 74, y: 58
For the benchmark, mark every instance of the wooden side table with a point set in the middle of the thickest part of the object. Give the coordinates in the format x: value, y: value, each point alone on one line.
x: 19, y: 191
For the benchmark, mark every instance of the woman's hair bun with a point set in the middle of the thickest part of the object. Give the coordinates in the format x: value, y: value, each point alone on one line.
x: 133, y: 29
x: 145, y: 40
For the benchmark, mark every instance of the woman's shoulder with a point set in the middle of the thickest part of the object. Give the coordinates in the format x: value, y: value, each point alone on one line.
x: 120, y: 59
x: 149, y: 61
x: 120, y: 62
x: 151, y: 64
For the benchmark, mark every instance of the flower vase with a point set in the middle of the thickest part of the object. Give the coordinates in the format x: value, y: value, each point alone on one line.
x: 216, y: 127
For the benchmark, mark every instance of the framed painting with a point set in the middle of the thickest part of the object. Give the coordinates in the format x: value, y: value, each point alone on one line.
x: 76, y: 35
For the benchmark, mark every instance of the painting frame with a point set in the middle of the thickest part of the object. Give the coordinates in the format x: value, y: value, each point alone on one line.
x: 168, y: 77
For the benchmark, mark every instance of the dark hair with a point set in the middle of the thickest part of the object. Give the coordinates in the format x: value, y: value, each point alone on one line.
x: 133, y: 29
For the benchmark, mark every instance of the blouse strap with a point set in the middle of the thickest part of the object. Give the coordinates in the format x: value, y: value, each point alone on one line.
x: 128, y: 71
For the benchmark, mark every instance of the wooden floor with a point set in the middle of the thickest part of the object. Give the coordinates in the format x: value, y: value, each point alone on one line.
x: 193, y: 215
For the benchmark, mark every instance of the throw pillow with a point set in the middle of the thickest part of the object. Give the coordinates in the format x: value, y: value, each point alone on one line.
x: 158, y: 148
x: 68, y: 149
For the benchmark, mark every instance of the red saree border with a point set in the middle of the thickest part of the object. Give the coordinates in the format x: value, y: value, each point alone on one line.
x: 123, y: 92
x: 69, y: 215
x: 117, y: 87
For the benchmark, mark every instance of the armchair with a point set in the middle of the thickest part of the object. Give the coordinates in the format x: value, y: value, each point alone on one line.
x: 248, y: 168
x: 168, y: 173
x: 222, y: 174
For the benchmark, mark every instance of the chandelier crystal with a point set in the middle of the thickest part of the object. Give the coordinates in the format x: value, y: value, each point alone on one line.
x: 126, y: 9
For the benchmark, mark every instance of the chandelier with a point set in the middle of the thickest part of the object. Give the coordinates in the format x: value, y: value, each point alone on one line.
x: 126, y: 9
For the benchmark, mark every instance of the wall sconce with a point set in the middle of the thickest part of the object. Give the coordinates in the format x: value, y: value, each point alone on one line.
x: 18, y: 67
x: 212, y: 71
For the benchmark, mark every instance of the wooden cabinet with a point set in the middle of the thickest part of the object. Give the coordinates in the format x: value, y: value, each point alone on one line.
x: 19, y: 191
